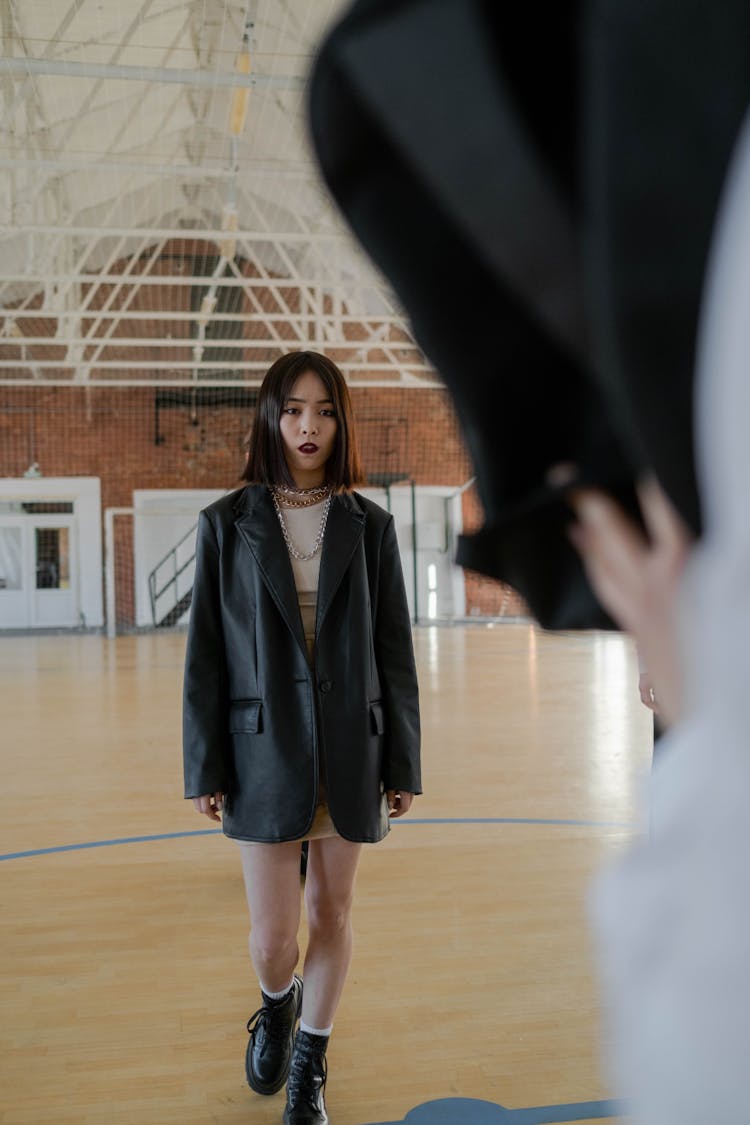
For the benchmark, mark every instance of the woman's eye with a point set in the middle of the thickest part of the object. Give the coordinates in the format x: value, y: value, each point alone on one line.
x: 328, y: 413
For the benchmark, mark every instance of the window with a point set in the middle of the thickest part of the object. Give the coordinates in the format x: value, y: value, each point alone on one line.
x: 52, y: 558
x: 431, y: 592
x: 10, y: 558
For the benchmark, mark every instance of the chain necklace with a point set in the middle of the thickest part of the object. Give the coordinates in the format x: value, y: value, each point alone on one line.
x: 300, y: 497
x: 317, y: 490
x: 295, y: 551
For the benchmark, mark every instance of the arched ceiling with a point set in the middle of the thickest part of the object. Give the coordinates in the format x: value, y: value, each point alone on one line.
x: 153, y: 158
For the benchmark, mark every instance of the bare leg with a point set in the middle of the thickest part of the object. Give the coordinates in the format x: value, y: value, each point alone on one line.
x: 271, y: 873
x: 331, y: 871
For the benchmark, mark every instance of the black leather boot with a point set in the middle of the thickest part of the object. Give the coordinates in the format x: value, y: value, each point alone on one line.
x: 305, y: 1103
x: 269, y: 1050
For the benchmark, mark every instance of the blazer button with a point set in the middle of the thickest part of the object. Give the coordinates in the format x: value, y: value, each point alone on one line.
x: 325, y: 685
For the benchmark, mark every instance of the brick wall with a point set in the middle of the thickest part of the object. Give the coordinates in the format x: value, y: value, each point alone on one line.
x: 111, y: 433
x: 133, y: 438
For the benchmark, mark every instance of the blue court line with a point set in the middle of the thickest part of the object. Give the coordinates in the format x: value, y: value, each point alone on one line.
x: 110, y: 843
x: 397, y: 824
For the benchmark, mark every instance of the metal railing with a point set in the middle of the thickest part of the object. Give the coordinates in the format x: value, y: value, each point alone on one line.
x: 181, y: 593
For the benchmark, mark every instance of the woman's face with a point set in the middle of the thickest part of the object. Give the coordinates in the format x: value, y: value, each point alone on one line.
x: 308, y: 430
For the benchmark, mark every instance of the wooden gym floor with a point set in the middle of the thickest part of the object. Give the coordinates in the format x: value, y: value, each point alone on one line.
x: 125, y: 978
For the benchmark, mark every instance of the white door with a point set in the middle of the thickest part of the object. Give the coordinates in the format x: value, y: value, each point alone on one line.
x: 38, y: 571
x: 54, y: 546
x: 429, y: 518
x: 15, y: 575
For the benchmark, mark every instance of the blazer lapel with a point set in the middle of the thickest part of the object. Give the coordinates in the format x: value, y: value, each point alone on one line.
x: 258, y: 525
x: 346, y: 524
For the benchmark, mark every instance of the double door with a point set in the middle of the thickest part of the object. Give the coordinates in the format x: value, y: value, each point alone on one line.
x: 38, y: 570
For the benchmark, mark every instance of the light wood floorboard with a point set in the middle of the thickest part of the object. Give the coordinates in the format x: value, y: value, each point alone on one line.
x: 125, y: 977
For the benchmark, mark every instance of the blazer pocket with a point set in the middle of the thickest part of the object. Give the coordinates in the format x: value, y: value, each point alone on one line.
x: 377, y: 718
x: 245, y: 716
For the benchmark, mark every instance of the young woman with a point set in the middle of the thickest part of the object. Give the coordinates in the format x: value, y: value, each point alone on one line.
x: 301, y: 714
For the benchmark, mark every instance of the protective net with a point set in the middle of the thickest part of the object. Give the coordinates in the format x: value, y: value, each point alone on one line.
x: 164, y: 460
x: 165, y: 237
x: 156, y: 404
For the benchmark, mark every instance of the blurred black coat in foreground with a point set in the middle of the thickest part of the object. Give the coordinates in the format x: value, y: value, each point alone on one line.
x: 539, y: 183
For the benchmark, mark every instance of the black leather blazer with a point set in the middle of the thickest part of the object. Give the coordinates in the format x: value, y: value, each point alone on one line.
x: 259, y: 723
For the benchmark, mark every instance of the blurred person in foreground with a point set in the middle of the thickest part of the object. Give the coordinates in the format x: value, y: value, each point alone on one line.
x: 674, y: 915
x: 542, y: 194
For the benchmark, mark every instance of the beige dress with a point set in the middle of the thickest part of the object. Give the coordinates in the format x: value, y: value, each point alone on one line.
x: 303, y: 525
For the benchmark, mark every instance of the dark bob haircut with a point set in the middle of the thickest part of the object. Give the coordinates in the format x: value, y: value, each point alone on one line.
x: 266, y: 463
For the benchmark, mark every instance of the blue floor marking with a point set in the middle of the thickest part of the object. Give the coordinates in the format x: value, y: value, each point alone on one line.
x: 468, y: 1111
x: 110, y: 843
x: 397, y: 824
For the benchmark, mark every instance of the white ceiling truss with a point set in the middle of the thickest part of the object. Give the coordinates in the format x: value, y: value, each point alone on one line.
x: 161, y: 218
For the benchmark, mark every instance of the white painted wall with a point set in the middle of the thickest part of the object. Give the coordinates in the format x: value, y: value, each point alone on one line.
x: 164, y: 516
x: 440, y: 592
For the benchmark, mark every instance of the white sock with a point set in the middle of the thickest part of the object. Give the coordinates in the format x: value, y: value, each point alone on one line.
x: 276, y: 995
x: 326, y: 1031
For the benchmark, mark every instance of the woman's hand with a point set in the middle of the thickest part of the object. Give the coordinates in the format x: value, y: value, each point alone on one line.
x: 636, y: 578
x: 210, y: 805
x: 398, y: 802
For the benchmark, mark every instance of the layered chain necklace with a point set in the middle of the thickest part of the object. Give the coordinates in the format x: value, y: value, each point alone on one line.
x: 302, y: 498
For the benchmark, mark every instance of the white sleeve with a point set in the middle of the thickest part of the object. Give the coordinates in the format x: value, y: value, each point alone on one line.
x: 673, y: 916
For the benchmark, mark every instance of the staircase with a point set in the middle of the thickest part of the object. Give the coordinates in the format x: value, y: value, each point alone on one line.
x: 170, y: 583
x: 176, y: 612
